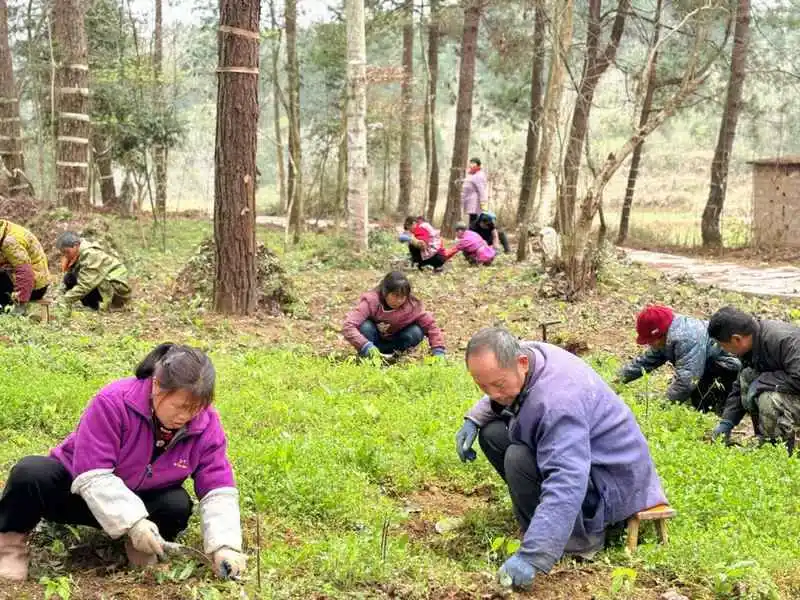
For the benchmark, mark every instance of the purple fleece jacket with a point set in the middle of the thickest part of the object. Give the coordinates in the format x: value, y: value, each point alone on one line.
x: 116, y: 432
x: 580, y: 432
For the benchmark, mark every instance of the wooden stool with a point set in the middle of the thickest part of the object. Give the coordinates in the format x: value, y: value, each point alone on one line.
x: 659, y: 514
x: 45, y: 306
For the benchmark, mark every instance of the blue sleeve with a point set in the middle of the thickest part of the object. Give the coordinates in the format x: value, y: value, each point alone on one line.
x: 690, y: 362
x: 649, y: 361
x: 563, y: 456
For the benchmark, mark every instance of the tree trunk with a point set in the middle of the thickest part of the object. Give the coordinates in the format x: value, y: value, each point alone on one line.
x: 594, y: 65
x: 72, y: 94
x: 357, y: 189
x: 710, y: 226
x: 431, y: 152
x: 159, y: 150
x: 235, y: 285
x: 647, y: 104
x: 102, y: 161
x: 525, y: 205
x: 466, y: 84
x: 294, y: 187
x: 276, y: 109
x: 10, y: 126
x: 342, y: 207
x: 407, y: 105
x: 562, y: 40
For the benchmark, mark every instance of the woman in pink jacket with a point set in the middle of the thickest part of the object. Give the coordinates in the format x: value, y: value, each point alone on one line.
x: 123, y: 469
x: 389, y: 320
x: 474, y: 247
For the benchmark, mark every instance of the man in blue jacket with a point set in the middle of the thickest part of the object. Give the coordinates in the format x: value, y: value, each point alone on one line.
x: 569, y: 449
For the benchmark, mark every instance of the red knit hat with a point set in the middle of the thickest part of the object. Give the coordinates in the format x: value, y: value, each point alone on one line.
x: 653, y: 323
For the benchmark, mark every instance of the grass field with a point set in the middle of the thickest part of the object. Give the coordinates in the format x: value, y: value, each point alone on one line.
x: 345, y: 468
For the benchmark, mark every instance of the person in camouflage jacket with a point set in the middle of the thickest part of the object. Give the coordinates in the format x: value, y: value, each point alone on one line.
x: 91, y: 275
x: 24, y: 275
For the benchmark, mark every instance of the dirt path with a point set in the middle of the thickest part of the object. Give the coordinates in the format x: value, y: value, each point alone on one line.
x: 761, y: 281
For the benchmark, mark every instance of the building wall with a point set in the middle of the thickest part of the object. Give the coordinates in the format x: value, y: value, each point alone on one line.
x: 776, y: 205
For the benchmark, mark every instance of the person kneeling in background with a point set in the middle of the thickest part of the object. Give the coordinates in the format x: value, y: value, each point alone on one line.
x: 390, y: 319
x: 91, y: 275
x: 704, y: 372
x: 485, y: 225
x: 475, y: 249
x: 24, y: 275
x: 768, y: 386
x: 124, y: 466
x: 424, y: 243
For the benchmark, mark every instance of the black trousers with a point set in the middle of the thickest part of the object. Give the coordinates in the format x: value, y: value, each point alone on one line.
x: 436, y: 261
x: 38, y: 487
x: 91, y: 300
x: 7, y: 288
x: 516, y: 464
x: 713, y: 388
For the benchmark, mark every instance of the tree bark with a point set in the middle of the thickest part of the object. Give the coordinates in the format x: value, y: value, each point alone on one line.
x: 407, y: 106
x: 235, y: 286
x: 159, y: 150
x: 525, y: 204
x: 276, y: 109
x: 357, y: 189
x: 101, y: 146
x: 463, y: 130
x: 11, y: 153
x: 647, y: 104
x: 562, y: 40
x: 342, y: 207
x: 72, y: 94
x: 710, y: 226
x: 594, y: 65
x: 294, y: 187
x: 431, y: 152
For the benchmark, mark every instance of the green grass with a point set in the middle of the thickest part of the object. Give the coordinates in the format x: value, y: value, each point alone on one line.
x: 325, y: 451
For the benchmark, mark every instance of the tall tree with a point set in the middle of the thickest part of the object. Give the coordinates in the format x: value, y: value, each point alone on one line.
x: 276, y: 106
x: 429, y: 125
x: 159, y: 150
x: 357, y: 188
x: 562, y: 19
x: 526, y: 192
x: 101, y: 152
x: 595, y: 64
x: 407, y: 107
x: 235, y: 287
x: 294, y: 187
x: 10, y: 127
x: 647, y: 105
x: 710, y: 225
x: 72, y: 95
x: 463, y: 130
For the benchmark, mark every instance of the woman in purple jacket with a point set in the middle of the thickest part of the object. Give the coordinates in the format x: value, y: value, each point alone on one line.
x: 123, y: 469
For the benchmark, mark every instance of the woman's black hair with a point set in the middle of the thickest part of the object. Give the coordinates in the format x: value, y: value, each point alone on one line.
x: 179, y: 367
x: 409, y: 221
x: 394, y: 283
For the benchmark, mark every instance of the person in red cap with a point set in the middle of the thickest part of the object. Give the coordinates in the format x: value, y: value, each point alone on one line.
x: 704, y: 372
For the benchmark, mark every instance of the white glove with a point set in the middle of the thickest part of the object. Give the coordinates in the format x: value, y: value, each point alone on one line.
x: 145, y: 538
x: 228, y: 563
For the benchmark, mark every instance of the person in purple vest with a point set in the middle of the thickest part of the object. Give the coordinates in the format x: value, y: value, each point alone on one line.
x: 123, y: 469
x: 569, y: 449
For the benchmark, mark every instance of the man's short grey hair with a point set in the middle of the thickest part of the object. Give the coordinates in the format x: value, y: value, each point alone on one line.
x: 500, y: 342
x: 68, y: 239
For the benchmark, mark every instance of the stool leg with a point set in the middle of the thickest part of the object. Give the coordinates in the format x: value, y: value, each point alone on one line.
x: 661, y: 530
x: 633, y: 534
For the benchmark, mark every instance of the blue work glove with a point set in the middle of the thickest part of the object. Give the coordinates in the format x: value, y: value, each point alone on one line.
x: 405, y: 237
x: 440, y: 352
x: 723, y: 429
x: 516, y: 572
x: 464, y: 440
x: 368, y: 349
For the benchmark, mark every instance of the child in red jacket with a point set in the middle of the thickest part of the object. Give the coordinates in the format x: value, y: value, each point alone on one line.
x: 389, y: 319
x: 424, y: 243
